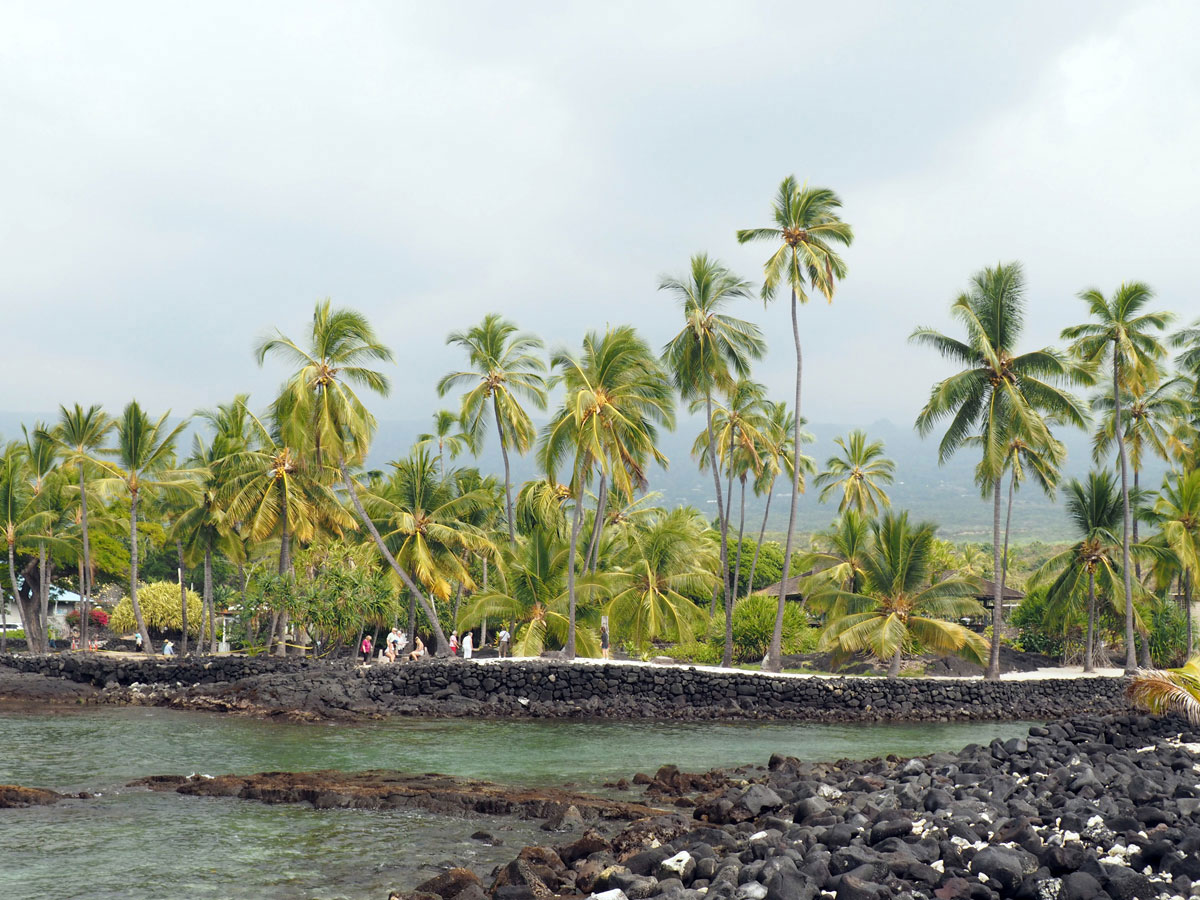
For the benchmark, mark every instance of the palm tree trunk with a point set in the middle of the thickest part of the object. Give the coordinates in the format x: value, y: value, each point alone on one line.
x: 762, y: 532
x: 483, y: 624
x: 183, y: 641
x: 208, y: 601
x: 1089, y: 648
x: 43, y: 599
x: 1130, y: 652
x: 727, y: 654
x: 1143, y: 636
x: 1187, y: 609
x: 894, y: 668
x: 1012, y: 482
x: 85, y: 592
x: 508, y: 504
x: 993, y: 669
x: 576, y: 526
x: 773, y: 661
x: 439, y: 636
x: 737, y: 565
x: 133, y: 574
x: 82, y: 612
x: 593, y: 558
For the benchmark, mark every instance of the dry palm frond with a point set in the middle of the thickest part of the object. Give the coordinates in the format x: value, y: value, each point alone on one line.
x: 1171, y: 690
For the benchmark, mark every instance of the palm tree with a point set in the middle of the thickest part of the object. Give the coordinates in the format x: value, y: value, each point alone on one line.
x: 80, y: 434
x: 616, y: 397
x: 446, y: 438
x: 22, y: 521
x: 860, y: 471
x: 998, y: 393
x: 707, y: 355
x: 666, y: 561
x: 837, y: 559
x: 533, y: 595
x: 807, y: 228
x: 143, y: 462
x: 319, y: 408
x: 426, y: 524
x: 777, y: 443
x: 1177, y: 512
x: 1094, y: 510
x: 504, y: 370
x: 41, y: 455
x: 899, y: 606
x: 1172, y: 690
x: 1123, y: 323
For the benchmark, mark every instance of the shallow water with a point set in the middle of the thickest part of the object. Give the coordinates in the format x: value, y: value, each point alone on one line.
x: 131, y: 843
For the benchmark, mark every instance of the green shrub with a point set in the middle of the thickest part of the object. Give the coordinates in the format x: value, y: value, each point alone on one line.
x: 1029, y: 618
x: 701, y: 653
x: 16, y: 634
x: 1168, y: 632
x: 754, y: 625
x: 159, y: 601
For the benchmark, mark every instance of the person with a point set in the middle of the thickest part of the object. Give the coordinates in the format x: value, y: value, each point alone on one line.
x: 604, y: 642
x: 137, y: 639
x: 393, y: 644
x: 168, y: 648
x: 453, y: 644
x: 364, y: 649
x: 503, y: 637
x: 468, y: 644
x: 418, y: 649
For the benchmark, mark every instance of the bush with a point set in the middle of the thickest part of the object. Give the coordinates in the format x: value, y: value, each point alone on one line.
x: 1168, y: 632
x: 16, y: 634
x: 159, y: 601
x: 1029, y: 618
x: 754, y: 625
x: 98, y: 617
x: 699, y: 652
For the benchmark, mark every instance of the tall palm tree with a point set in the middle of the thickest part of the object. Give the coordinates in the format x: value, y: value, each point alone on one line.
x: 999, y: 392
x: 707, y: 355
x: 1177, y: 512
x: 22, y: 521
x: 80, y: 434
x: 319, y: 408
x: 664, y: 563
x: 143, y: 462
x: 504, y: 371
x: 1123, y: 323
x: 616, y: 396
x: 1094, y: 510
x: 860, y: 473
x: 446, y: 437
x: 807, y: 230
x: 837, y: 559
x: 41, y: 455
x: 899, y: 602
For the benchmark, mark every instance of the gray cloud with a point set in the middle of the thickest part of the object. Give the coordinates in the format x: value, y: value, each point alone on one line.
x: 181, y: 179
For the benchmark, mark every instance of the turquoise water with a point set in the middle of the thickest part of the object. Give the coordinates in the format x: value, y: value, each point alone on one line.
x: 131, y: 843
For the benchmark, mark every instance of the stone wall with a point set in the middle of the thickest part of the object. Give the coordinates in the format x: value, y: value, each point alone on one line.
x: 551, y: 688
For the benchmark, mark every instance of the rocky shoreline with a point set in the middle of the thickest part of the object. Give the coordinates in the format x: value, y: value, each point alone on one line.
x: 1080, y: 809
x: 314, y: 690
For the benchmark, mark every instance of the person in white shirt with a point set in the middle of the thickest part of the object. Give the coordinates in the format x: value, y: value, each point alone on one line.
x: 503, y: 637
x: 468, y: 644
x: 168, y: 649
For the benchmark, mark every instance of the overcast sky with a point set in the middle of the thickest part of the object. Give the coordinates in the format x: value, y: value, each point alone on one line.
x: 178, y: 179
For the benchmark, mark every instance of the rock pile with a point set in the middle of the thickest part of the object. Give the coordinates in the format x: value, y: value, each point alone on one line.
x: 1080, y: 809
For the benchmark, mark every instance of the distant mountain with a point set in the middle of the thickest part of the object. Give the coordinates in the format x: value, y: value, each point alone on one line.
x: 944, y: 494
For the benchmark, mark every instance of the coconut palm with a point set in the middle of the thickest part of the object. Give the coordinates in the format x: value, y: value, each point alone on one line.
x: 1172, y: 690
x: 533, y: 596
x: 998, y: 393
x: 807, y: 229
x: 80, y: 434
x: 859, y: 473
x: 1177, y: 513
x: 616, y: 396
x: 318, y: 405
x: 426, y: 523
x: 665, y: 562
x: 41, y: 457
x: 1122, y: 323
x: 897, y: 606
x: 707, y: 355
x: 836, y: 560
x: 446, y: 437
x: 504, y: 371
x: 143, y: 462
x: 22, y: 521
x: 1094, y: 511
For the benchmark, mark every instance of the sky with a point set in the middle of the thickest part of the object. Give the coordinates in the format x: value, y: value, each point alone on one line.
x: 180, y: 179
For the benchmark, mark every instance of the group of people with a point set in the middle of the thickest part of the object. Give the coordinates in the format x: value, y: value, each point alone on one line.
x: 396, y: 641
